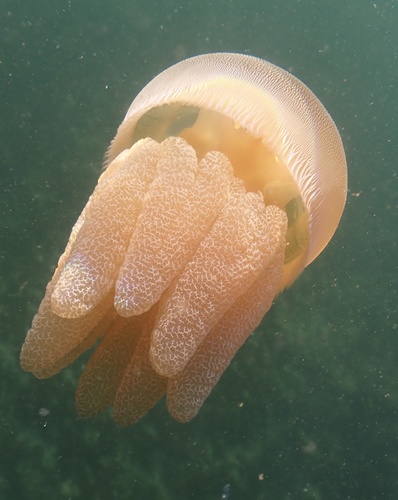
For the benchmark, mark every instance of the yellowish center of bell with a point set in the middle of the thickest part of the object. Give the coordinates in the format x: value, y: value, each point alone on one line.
x: 252, y: 160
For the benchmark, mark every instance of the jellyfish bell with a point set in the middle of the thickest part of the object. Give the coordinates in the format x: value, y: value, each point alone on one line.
x: 225, y: 179
x: 289, y: 133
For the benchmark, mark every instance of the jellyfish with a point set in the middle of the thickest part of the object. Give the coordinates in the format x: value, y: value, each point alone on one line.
x: 226, y: 178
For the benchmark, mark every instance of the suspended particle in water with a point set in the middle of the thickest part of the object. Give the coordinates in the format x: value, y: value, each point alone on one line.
x: 226, y: 492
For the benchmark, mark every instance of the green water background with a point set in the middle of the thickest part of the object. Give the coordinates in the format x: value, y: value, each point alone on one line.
x: 308, y: 408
